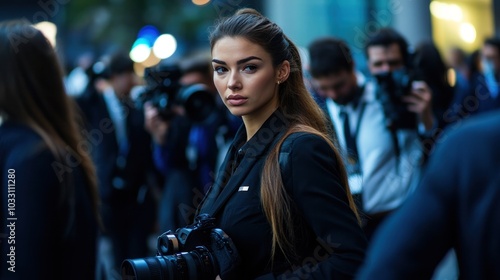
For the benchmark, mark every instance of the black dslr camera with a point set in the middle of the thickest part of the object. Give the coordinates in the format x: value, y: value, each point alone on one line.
x: 163, y: 90
x: 391, y: 87
x: 198, y: 251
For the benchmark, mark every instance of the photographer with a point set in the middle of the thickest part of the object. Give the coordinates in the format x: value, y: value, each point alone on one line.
x: 382, y: 152
x: 281, y: 193
x: 280, y: 206
x: 121, y: 151
x: 186, y: 148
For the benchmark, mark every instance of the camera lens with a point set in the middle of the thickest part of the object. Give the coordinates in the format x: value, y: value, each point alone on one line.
x: 154, y: 268
x: 167, y: 244
x: 198, y: 102
x: 196, y: 264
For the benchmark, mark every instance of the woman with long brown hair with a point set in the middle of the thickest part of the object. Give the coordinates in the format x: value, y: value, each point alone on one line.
x: 49, y: 200
x: 282, y: 193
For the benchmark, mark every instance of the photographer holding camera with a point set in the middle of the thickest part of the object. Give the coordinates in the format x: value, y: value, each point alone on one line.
x: 280, y: 206
x: 282, y: 193
x: 377, y: 123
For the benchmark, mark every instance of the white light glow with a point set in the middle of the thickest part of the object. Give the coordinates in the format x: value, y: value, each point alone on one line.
x: 451, y: 12
x: 49, y: 30
x: 165, y: 46
x: 468, y: 32
x: 140, y: 53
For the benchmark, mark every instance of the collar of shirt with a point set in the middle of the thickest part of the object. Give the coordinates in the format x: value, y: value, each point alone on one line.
x: 118, y: 116
x: 275, y: 124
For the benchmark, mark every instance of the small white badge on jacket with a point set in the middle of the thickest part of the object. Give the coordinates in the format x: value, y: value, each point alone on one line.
x: 243, y: 188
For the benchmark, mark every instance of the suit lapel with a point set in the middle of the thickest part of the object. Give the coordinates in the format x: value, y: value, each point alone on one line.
x: 233, y: 183
x: 254, y: 150
x: 223, y: 177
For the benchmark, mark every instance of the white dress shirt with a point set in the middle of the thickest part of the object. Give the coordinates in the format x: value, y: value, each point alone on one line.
x: 385, y: 179
x: 118, y: 115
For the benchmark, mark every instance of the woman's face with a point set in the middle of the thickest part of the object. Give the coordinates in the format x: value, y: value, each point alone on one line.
x: 245, y: 77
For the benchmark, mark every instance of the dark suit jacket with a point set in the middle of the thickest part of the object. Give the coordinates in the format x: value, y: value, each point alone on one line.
x: 331, y: 242
x: 457, y: 205
x: 473, y: 100
x: 131, y: 169
x: 51, y: 240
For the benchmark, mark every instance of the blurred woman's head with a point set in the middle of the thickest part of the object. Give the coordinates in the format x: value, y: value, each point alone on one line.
x: 32, y: 93
x: 431, y: 68
x: 31, y: 86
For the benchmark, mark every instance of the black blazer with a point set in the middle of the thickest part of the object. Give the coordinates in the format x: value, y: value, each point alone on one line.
x: 52, y: 240
x: 119, y: 177
x: 473, y: 100
x: 332, y: 244
x: 457, y: 205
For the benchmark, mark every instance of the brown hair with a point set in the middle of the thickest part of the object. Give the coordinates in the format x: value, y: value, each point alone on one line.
x: 299, y: 108
x: 32, y: 92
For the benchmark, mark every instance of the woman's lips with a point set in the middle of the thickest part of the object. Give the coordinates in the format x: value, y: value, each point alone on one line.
x: 236, y: 100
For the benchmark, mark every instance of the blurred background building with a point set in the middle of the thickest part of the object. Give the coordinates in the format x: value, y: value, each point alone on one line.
x: 96, y: 26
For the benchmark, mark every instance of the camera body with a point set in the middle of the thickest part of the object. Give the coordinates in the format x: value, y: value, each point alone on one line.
x: 164, y: 91
x: 391, y: 88
x: 198, y: 251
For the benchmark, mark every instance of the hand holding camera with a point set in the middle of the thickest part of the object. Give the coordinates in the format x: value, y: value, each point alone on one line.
x: 155, y: 124
x: 198, y: 251
x: 165, y: 92
x: 419, y: 101
x: 405, y: 100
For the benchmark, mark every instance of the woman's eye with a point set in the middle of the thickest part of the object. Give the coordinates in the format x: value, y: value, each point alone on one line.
x: 219, y: 69
x: 250, y: 68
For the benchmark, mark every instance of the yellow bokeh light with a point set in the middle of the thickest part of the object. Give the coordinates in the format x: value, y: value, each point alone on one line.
x: 468, y: 32
x: 151, y: 61
x: 446, y: 11
x: 452, y: 77
x: 200, y: 2
x: 139, y: 69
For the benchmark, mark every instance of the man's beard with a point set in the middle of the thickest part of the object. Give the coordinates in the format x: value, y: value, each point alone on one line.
x: 353, y: 95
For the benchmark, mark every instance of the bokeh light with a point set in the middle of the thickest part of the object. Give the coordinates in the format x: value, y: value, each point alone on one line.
x: 151, y: 61
x: 165, y: 46
x: 149, y: 33
x: 140, y: 50
x: 468, y: 32
x: 200, y: 2
x: 446, y: 11
x: 49, y: 30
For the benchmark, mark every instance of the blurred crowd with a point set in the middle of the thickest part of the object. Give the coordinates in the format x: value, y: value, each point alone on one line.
x: 156, y: 142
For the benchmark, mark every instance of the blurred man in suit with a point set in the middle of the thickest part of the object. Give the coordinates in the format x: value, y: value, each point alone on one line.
x: 121, y: 151
x: 483, y: 92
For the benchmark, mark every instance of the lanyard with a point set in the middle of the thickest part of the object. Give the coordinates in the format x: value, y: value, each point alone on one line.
x: 360, y: 117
